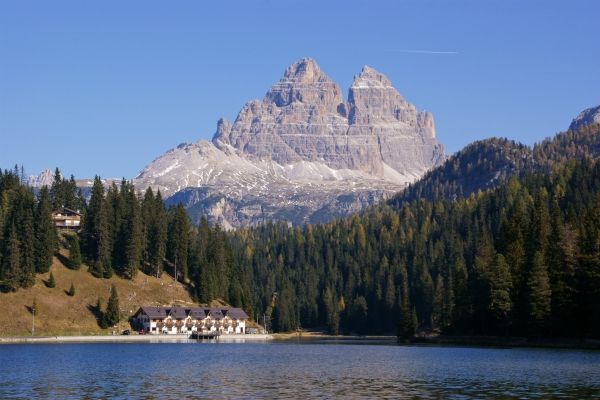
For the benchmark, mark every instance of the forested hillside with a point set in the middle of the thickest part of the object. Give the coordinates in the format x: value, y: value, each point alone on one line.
x: 122, y: 233
x: 488, y: 163
x: 521, y: 259
x: 27, y: 234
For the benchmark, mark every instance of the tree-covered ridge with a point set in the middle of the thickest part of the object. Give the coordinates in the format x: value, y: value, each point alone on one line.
x: 583, y: 142
x: 27, y: 235
x: 479, y: 166
x: 522, y: 259
x: 122, y: 232
x: 487, y: 163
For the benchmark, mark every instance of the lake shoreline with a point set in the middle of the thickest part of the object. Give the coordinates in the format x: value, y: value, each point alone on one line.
x: 509, y: 342
x: 130, y: 339
x: 317, y: 337
x: 446, y: 340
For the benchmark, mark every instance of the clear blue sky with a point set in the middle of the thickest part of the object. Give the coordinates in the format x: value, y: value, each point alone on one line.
x: 104, y: 88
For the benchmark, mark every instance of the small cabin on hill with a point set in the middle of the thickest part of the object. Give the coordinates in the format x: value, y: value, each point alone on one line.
x: 188, y: 320
x: 67, y: 219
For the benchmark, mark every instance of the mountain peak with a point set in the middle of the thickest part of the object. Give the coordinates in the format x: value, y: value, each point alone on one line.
x: 586, y: 117
x: 45, y: 178
x: 369, y: 77
x: 303, y: 118
x: 304, y: 82
x: 304, y: 70
x: 302, y: 153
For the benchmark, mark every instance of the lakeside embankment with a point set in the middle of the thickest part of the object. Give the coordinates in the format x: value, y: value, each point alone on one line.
x: 129, y: 339
x: 319, y: 337
x: 509, y: 342
x: 443, y: 340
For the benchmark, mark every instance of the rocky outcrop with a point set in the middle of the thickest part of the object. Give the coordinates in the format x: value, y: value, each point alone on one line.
x: 44, y: 178
x: 303, y: 118
x: 586, y: 117
x: 302, y: 153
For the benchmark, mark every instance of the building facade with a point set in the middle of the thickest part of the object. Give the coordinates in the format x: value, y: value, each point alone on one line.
x: 67, y: 219
x: 184, y: 320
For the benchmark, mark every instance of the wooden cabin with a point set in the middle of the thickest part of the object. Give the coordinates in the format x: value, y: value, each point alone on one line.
x: 67, y: 219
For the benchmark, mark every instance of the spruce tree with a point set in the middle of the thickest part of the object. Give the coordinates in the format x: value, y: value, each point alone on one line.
x: 74, y: 261
x: 71, y: 291
x: 178, y: 240
x: 406, y: 322
x: 112, y: 313
x: 500, y: 304
x: 24, y: 221
x: 439, y: 295
x: 133, y: 234
x: 45, y: 233
x: 71, y: 194
x: 154, y: 228
x: 157, y: 241
x: 56, y: 191
x: 89, y: 228
x: 11, y: 262
x: 51, y: 282
x: 539, y: 294
x: 331, y: 312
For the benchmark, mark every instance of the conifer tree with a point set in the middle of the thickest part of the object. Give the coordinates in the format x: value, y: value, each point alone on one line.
x: 500, y: 304
x: 104, y: 242
x: 56, y: 191
x: 178, y: 240
x: 96, y: 232
x: 331, y: 312
x: 407, y: 322
x: 74, y: 261
x: 134, y: 235
x: 71, y: 291
x: 11, y: 262
x: 24, y: 221
x: 45, y: 233
x: 439, y: 295
x: 539, y: 293
x: 462, y: 311
x: 159, y: 234
x: 51, y: 282
x: 112, y: 313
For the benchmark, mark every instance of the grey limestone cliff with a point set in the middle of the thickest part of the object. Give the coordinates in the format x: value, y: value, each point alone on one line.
x: 303, y: 118
x: 302, y: 153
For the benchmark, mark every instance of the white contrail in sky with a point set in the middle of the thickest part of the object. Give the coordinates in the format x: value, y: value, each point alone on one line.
x: 422, y: 51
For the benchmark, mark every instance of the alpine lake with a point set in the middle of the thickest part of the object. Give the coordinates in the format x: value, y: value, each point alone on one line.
x: 275, y: 370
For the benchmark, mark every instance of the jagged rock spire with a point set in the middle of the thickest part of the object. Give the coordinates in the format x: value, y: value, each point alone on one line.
x: 304, y: 118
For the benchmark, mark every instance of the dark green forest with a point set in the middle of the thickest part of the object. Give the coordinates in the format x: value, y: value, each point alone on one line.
x: 27, y: 234
x: 485, y: 164
x: 122, y: 233
x: 502, y: 239
x: 518, y: 256
x: 522, y: 259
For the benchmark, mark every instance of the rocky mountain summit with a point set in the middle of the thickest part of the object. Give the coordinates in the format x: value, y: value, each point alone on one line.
x: 303, y: 118
x: 44, y: 178
x: 301, y: 154
x: 586, y: 117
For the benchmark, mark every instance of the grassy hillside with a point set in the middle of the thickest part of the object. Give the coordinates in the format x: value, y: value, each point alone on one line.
x: 60, y: 314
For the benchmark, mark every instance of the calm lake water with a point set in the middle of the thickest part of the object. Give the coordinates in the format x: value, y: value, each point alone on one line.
x: 287, y: 370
